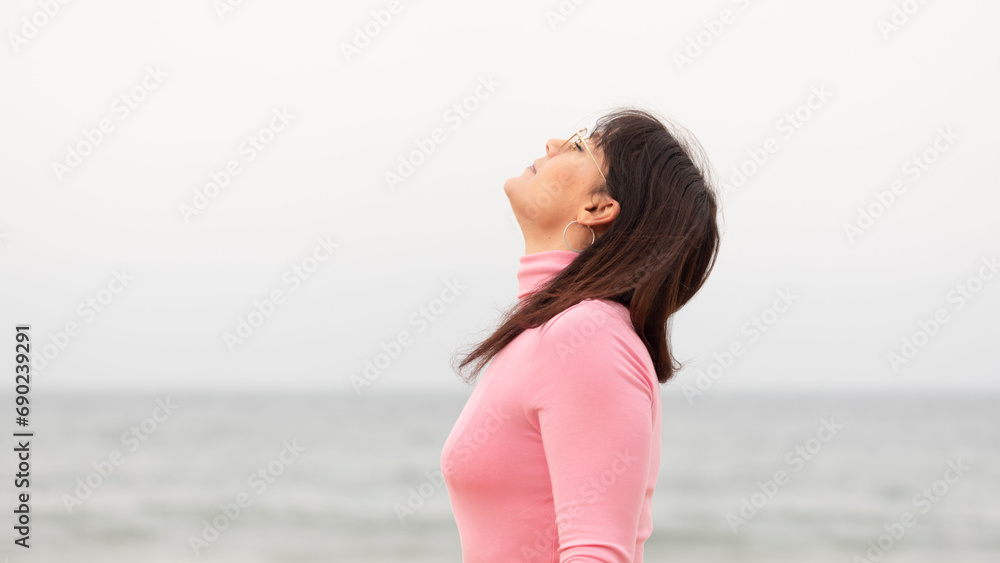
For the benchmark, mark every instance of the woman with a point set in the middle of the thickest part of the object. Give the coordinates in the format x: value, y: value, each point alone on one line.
x: 556, y: 453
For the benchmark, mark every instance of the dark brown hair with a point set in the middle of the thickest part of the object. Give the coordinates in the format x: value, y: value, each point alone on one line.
x: 654, y: 257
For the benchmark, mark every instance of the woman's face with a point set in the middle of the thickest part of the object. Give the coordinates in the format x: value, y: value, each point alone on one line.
x: 555, y: 189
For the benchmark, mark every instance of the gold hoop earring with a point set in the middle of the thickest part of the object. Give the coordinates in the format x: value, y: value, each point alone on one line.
x: 593, y: 236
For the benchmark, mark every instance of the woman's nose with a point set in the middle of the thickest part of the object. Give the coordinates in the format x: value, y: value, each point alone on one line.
x: 552, y: 146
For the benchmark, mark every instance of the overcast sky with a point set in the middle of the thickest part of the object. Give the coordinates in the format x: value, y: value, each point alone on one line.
x: 115, y: 116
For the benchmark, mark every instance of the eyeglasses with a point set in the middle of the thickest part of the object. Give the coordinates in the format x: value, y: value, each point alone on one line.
x: 580, y: 138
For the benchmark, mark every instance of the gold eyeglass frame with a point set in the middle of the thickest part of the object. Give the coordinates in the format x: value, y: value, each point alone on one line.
x: 581, y: 137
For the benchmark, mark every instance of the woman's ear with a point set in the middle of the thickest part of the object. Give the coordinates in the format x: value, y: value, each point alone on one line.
x: 603, y: 210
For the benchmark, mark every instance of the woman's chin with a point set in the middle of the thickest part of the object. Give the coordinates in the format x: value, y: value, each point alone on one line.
x: 515, y: 181
x: 511, y: 184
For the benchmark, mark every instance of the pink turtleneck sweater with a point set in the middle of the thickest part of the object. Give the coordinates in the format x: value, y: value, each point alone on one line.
x: 555, y: 456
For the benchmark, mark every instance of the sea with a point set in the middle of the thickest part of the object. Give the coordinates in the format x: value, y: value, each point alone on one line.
x: 342, y: 478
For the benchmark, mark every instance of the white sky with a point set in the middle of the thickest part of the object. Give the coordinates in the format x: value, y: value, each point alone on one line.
x: 323, y: 176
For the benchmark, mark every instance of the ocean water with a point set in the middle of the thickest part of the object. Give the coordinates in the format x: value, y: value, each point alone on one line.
x: 323, y: 477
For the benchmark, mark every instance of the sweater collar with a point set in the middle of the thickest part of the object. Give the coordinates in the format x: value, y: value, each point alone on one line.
x: 535, y: 270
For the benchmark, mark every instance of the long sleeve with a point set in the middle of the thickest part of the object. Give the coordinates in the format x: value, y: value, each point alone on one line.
x: 593, y: 404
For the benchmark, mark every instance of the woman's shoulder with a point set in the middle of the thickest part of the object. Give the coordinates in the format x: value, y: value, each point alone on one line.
x: 591, y: 315
x: 593, y: 339
x: 599, y: 325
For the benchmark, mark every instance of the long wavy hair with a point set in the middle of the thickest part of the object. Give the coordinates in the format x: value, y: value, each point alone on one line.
x: 657, y: 253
